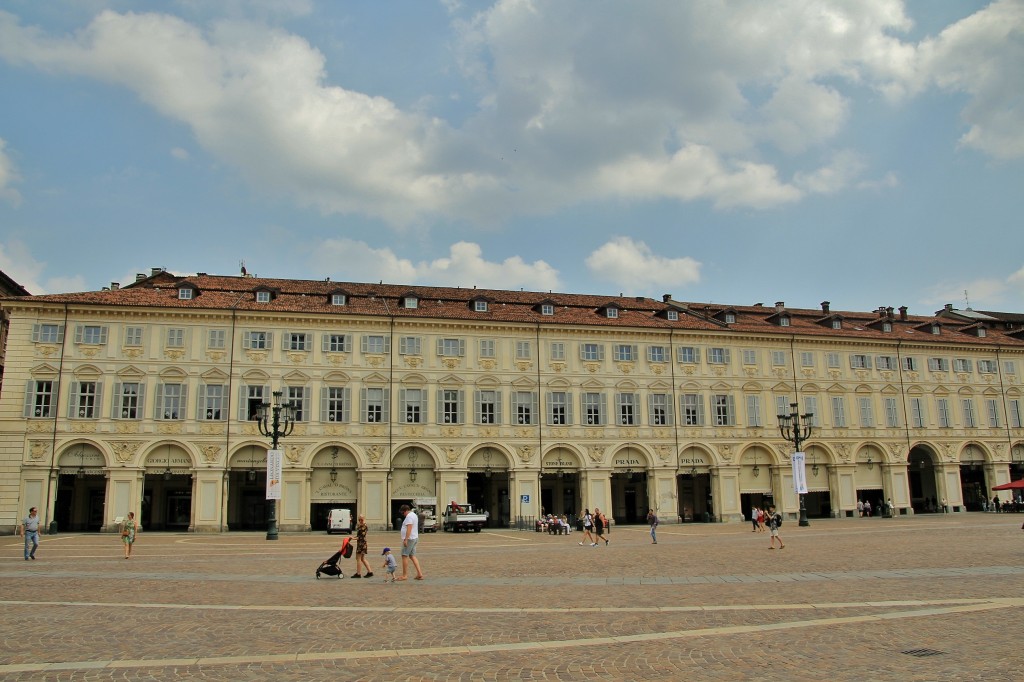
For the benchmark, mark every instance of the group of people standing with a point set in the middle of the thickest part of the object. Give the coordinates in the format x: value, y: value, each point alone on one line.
x: 770, y: 519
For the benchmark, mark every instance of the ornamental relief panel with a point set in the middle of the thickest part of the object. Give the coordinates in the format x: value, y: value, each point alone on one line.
x: 626, y: 367
x: 337, y: 359
x: 488, y: 364
x: 718, y: 370
x: 751, y: 372
x: 524, y: 365
x: 413, y: 431
x: 560, y: 433
x: 37, y: 449
x: 293, y: 452
x: 522, y: 432
x: 596, y: 453
x: 592, y: 367
x: 948, y: 451
x: 335, y: 430
x: 489, y: 431
x: 124, y: 450
x: 212, y: 429
x: 215, y: 355
x: 174, y: 354
x: 808, y: 372
x: 297, y: 358
x: 835, y: 374
x: 126, y: 427
x: 557, y: 367
x: 595, y: 434
x: 844, y: 452
x: 413, y: 361
x: 780, y: 372
x: 451, y: 431
x: 374, y: 452
x: 663, y: 452
x: 210, y: 452
x: 886, y: 375
x: 912, y: 377
x: 39, y: 427
x: 896, y: 451
x: 376, y: 361
x: 657, y: 369
x: 256, y: 357
x: 726, y: 452
x: 689, y: 370
x: 170, y: 427
x: 373, y: 430
x: 83, y: 427
x: 629, y: 432
x: 249, y: 429
x: 89, y: 351
x: 525, y: 453
x: 46, y: 351
x: 863, y: 374
x: 451, y: 453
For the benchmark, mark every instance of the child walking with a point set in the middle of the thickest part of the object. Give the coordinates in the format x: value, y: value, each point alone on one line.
x: 390, y: 564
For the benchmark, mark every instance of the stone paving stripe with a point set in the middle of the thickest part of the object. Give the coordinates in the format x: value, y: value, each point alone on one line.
x: 545, y: 644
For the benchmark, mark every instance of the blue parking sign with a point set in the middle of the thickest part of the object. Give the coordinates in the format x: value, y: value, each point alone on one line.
x: 525, y: 499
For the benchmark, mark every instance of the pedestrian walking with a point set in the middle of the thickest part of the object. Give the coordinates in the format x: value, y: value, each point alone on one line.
x: 410, y: 536
x: 128, y: 528
x: 774, y: 521
x: 588, y: 524
x: 652, y: 521
x: 30, y: 529
x: 760, y: 520
x: 600, y: 523
x: 753, y: 519
x: 389, y: 564
x: 361, y: 549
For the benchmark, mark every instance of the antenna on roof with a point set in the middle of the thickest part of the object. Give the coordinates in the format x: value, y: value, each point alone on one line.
x: 967, y: 301
x: 241, y: 264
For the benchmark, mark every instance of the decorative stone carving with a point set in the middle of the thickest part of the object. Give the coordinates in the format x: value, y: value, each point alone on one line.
x: 298, y: 358
x: 592, y: 367
x: 39, y: 427
x: 595, y: 434
x: 249, y: 429
x: 451, y: 431
x: 83, y: 427
x: 808, y: 372
x: 413, y: 431
x: 89, y: 351
x: 37, y: 449
x: 169, y: 427
x: 293, y: 452
x: 718, y: 370
x: 751, y: 372
x: 963, y: 378
x: 126, y: 427
x: 174, y: 354
x: 525, y: 453
x: 374, y: 452
x: 844, y: 451
x: 784, y: 450
x: 523, y: 432
x: 689, y: 370
x: 489, y: 431
x: 625, y: 367
x: 948, y: 451
x: 46, y: 351
x: 725, y: 451
x: 210, y: 452
x: 557, y: 367
x: 596, y: 453
x: 663, y: 452
x: 337, y: 359
x: 335, y: 430
x: 912, y: 377
x: 124, y: 450
x: 376, y: 361
x: 835, y: 374
x: 780, y: 372
x: 451, y: 453
x: 215, y: 355
x: 256, y: 356
x: 886, y: 375
x: 629, y: 432
x: 896, y: 451
x: 560, y: 433
x: 658, y: 368
x: 999, y: 451
x: 488, y: 364
x: 413, y: 361
x: 524, y: 365
x: 211, y: 429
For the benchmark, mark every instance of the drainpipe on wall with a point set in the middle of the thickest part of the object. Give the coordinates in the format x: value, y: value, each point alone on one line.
x: 53, y: 474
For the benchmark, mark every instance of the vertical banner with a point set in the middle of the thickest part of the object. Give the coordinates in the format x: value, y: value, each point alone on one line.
x: 799, y: 474
x: 274, y: 474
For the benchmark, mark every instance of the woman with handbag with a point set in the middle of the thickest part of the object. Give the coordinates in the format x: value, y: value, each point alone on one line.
x: 128, y: 534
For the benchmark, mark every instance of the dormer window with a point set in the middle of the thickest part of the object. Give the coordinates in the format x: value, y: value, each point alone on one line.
x: 185, y: 294
x: 263, y: 297
x: 887, y: 326
x: 837, y: 324
x: 784, y: 321
x: 611, y: 313
x: 410, y: 302
x: 339, y: 299
x: 730, y: 318
x: 480, y: 306
x: 982, y: 332
x: 547, y: 309
x: 936, y: 329
x: 673, y: 315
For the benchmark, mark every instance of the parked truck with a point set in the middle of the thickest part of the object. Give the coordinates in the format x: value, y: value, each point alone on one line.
x: 458, y: 517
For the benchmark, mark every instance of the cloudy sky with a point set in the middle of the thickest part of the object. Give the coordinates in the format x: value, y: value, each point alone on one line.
x: 868, y: 153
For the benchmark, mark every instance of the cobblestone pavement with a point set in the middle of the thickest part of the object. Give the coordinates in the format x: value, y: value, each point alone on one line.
x: 917, y: 598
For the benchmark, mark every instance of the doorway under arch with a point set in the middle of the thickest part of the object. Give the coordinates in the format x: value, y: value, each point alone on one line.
x: 922, y: 476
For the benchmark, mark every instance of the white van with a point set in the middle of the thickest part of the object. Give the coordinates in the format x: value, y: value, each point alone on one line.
x: 340, y: 521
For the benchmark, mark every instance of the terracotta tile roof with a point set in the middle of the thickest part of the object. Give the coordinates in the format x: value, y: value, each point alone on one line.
x: 216, y: 292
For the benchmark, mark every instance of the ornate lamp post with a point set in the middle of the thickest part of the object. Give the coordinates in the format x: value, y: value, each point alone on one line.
x: 796, y: 433
x: 275, y: 422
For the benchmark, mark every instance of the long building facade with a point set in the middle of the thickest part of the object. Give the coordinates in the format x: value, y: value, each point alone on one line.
x: 144, y: 398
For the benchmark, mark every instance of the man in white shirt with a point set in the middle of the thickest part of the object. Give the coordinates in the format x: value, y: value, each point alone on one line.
x: 30, y: 529
x: 410, y: 536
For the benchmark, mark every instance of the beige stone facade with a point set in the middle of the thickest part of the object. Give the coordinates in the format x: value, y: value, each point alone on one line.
x: 140, y: 398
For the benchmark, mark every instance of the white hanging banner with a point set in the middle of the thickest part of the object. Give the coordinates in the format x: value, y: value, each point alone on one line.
x: 274, y: 474
x: 799, y: 473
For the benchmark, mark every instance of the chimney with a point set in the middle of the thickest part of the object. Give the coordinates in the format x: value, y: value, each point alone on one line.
x: 949, y: 307
x: 780, y: 306
x: 153, y: 272
x: 825, y: 307
x: 903, y: 313
x: 881, y: 311
x: 114, y: 286
x: 139, y: 276
x: 888, y: 312
x: 665, y: 298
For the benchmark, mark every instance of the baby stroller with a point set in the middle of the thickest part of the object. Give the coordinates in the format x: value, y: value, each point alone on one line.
x: 331, y: 567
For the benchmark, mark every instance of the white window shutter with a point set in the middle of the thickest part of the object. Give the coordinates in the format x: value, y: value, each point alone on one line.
x: 115, y: 409
x: 462, y: 348
x: 30, y: 396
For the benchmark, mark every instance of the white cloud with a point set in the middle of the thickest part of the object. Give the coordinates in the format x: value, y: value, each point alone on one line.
x: 840, y: 173
x: 637, y: 269
x: 645, y: 101
x: 8, y: 176
x: 18, y: 263
x: 464, y: 266
x: 180, y: 154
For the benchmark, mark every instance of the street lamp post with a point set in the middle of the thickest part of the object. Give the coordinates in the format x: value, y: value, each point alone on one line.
x: 796, y: 433
x: 275, y: 422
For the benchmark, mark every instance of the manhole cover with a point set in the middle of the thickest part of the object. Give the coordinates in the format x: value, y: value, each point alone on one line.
x: 922, y: 653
